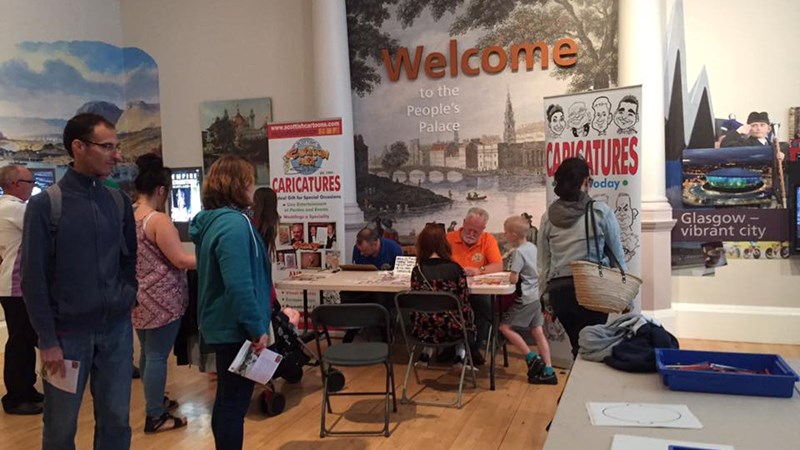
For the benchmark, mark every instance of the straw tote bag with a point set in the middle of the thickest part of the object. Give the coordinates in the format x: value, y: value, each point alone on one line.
x: 598, y: 288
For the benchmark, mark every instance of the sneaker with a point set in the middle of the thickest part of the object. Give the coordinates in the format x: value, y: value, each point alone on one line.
x: 459, y: 363
x: 423, y: 360
x: 535, y: 366
x: 543, y: 378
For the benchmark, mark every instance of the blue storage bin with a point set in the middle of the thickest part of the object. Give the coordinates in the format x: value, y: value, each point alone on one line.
x: 779, y: 382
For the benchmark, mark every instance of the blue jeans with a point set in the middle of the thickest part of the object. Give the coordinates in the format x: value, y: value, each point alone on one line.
x: 156, y: 345
x: 107, y: 356
x: 232, y: 401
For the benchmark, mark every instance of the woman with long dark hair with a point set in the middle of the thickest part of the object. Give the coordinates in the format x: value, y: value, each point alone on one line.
x: 163, y: 294
x: 265, y: 217
x: 435, y: 271
x: 562, y: 239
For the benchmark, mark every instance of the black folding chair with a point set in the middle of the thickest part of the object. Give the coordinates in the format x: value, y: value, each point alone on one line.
x: 355, y: 354
x: 431, y: 302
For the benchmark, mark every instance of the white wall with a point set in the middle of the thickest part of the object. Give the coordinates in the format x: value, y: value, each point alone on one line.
x: 219, y: 50
x: 745, y: 48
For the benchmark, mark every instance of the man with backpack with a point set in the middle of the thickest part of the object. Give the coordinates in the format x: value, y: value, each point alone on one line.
x: 79, y: 285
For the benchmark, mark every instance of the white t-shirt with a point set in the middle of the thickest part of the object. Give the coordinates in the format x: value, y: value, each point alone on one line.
x: 12, y: 213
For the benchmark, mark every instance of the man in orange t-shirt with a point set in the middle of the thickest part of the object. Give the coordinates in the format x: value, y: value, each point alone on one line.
x: 477, y: 252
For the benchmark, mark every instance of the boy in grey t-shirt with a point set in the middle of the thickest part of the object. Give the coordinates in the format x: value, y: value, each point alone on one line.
x: 526, y: 311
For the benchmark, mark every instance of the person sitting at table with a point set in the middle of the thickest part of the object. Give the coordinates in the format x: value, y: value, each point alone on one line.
x: 436, y: 271
x: 377, y: 251
x: 478, y: 253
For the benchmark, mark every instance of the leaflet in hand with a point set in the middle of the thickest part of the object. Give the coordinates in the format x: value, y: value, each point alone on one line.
x: 257, y: 367
x: 68, y: 383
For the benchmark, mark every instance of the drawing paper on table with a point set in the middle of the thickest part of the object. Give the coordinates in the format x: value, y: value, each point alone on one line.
x: 625, y: 442
x: 651, y: 415
x: 69, y: 383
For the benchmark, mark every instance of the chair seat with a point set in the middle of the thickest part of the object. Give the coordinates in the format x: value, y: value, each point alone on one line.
x: 356, y: 354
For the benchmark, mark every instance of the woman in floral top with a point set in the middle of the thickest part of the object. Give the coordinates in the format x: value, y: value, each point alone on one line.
x: 435, y: 271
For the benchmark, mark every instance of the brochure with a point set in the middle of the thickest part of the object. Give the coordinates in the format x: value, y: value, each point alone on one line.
x: 69, y: 383
x: 257, y: 367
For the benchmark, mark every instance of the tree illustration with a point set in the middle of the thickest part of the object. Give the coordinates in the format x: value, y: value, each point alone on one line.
x: 396, y: 156
x: 591, y: 23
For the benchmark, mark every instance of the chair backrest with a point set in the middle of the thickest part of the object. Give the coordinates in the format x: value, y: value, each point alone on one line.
x: 350, y: 316
x: 427, y: 301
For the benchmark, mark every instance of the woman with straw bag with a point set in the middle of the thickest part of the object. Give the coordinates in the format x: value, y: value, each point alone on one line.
x: 562, y: 240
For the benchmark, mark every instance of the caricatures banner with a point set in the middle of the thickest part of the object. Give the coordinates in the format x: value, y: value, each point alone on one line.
x: 306, y: 173
x: 604, y: 128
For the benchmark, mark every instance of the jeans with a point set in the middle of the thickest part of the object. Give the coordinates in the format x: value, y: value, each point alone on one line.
x: 482, y: 306
x: 573, y: 317
x: 232, y: 401
x: 106, y: 357
x: 156, y: 345
x: 19, y: 369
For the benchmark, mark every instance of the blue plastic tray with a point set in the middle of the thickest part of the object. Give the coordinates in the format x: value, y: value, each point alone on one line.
x: 779, y: 382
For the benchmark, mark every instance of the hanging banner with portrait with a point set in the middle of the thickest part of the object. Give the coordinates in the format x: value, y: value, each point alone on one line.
x: 604, y: 128
x: 306, y: 174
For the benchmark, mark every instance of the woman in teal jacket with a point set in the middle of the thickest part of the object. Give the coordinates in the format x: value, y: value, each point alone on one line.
x: 234, y: 297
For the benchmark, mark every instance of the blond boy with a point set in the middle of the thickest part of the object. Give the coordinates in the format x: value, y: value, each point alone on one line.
x: 526, y: 311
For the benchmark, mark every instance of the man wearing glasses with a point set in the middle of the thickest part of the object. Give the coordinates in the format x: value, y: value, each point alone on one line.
x: 79, y: 284
x: 477, y: 252
x: 19, y: 371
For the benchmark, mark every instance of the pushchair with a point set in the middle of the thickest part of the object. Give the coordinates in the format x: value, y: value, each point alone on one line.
x: 296, y: 355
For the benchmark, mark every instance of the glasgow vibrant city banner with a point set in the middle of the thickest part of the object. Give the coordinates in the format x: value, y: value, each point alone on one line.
x: 306, y: 173
x: 604, y: 128
x: 447, y: 102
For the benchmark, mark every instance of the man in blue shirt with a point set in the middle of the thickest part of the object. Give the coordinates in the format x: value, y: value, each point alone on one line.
x: 380, y: 252
x: 372, y: 249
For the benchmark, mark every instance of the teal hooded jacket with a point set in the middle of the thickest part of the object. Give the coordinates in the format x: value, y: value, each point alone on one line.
x: 234, y: 276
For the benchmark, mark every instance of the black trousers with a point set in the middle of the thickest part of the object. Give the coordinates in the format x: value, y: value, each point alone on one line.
x: 19, y: 370
x: 573, y: 317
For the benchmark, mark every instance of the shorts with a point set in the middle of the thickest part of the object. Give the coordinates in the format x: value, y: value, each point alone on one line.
x: 522, y: 315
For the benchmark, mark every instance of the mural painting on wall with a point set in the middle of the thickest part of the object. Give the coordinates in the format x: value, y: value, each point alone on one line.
x: 44, y: 84
x: 237, y: 127
x: 725, y: 176
x: 448, y: 102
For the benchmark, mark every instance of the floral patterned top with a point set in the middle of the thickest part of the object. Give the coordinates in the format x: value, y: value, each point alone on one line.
x: 436, y: 274
x: 163, y: 292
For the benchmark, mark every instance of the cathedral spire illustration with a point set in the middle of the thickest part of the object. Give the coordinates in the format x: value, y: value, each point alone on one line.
x: 509, y: 126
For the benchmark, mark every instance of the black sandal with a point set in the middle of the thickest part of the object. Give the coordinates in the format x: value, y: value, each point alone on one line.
x: 156, y: 424
x: 169, y: 404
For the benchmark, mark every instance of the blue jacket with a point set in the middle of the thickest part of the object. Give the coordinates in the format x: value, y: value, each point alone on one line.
x: 90, y: 280
x: 234, y: 276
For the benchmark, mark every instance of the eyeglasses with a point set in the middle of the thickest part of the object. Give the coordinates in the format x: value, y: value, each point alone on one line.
x: 107, y: 146
x: 26, y: 181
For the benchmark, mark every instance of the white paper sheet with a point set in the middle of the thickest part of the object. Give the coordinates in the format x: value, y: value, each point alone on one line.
x: 625, y: 442
x: 69, y: 383
x: 650, y: 415
x: 259, y: 368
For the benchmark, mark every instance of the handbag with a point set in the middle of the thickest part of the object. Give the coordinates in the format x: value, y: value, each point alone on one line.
x: 598, y: 288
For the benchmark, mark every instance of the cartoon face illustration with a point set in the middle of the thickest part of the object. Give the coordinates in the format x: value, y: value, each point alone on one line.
x: 579, y: 119
x: 555, y: 120
x: 627, y: 114
x: 601, y: 107
x: 624, y: 211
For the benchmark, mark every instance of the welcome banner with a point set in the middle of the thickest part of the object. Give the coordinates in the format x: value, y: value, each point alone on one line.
x: 447, y: 102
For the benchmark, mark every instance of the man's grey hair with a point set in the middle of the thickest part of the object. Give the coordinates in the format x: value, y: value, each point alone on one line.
x: 9, y: 174
x: 478, y: 212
